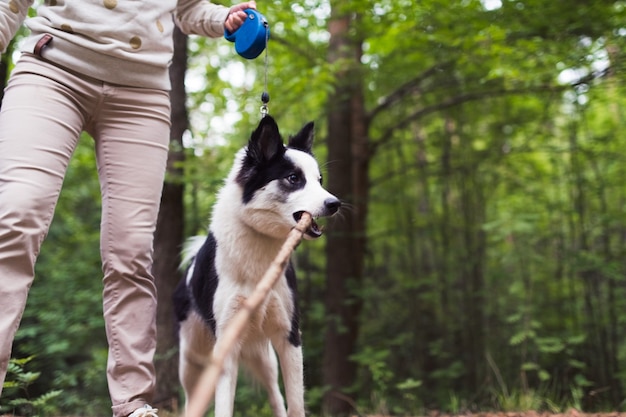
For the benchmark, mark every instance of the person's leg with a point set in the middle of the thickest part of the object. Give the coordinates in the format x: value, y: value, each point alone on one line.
x: 40, y: 123
x: 131, y: 131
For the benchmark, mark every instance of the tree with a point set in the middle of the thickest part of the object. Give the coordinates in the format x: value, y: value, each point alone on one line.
x: 5, y: 64
x: 169, y: 236
x: 348, y: 178
x: 4, y: 72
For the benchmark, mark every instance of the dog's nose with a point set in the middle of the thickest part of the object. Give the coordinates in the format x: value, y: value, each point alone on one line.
x: 332, y: 205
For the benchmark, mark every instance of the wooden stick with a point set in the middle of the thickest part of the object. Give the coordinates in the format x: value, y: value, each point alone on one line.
x: 205, y: 390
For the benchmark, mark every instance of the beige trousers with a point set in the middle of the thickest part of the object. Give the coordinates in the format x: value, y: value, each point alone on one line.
x: 44, y: 110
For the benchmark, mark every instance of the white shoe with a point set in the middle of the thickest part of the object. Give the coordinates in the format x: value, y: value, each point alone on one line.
x: 145, y: 411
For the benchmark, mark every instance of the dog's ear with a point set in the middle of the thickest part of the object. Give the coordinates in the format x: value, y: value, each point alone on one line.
x: 265, y: 142
x: 303, y: 140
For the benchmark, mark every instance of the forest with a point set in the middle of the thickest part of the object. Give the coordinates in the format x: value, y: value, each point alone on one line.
x: 479, y: 259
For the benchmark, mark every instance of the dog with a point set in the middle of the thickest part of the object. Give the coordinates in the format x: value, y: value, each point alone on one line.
x: 263, y: 197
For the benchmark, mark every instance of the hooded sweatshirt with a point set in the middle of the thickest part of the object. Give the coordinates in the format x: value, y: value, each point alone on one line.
x: 125, y: 42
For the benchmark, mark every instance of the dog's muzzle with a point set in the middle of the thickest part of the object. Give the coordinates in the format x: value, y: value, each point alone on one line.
x: 331, y: 206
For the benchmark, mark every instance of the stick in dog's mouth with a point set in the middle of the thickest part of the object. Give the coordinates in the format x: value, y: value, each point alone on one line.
x: 314, y: 230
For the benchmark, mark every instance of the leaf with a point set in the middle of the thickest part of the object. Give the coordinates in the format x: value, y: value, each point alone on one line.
x: 409, y: 384
x: 529, y: 366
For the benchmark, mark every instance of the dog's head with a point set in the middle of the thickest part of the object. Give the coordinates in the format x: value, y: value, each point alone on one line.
x: 281, y: 182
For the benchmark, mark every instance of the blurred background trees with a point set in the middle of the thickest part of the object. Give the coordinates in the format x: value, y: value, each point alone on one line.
x: 478, y: 263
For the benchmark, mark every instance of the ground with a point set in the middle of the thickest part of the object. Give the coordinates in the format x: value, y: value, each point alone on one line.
x: 570, y: 413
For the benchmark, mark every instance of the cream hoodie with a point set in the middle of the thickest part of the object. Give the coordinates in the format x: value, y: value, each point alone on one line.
x: 127, y: 42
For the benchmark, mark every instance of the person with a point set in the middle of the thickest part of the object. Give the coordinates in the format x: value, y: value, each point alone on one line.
x: 99, y: 66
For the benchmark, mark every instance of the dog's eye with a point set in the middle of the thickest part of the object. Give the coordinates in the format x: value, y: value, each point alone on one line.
x: 293, y: 179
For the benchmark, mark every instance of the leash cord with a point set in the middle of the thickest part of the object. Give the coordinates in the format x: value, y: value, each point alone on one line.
x: 265, y: 96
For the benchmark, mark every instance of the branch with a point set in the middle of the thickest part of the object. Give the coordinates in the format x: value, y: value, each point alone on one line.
x: 297, y: 48
x: 410, y: 87
x: 479, y: 95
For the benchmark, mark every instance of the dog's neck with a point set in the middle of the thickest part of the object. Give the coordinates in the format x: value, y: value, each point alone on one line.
x: 240, y: 247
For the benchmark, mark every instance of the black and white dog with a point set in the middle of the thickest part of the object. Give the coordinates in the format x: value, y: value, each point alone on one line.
x: 264, y: 196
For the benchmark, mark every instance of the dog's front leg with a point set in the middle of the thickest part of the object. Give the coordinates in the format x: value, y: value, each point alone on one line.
x: 290, y: 358
x: 225, y: 307
x: 226, y: 385
x: 262, y: 362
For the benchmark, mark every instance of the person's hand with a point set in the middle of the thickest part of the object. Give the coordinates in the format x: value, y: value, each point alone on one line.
x: 236, y: 15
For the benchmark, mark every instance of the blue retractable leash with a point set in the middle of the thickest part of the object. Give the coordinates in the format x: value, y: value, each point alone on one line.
x: 250, y: 40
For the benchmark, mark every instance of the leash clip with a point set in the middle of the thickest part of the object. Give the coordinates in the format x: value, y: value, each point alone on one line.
x: 265, y: 98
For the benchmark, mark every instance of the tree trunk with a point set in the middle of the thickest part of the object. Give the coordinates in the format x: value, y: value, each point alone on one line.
x: 169, y: 237
x: 348, y: 179
x: 4, y: 71
x: 5, y: 59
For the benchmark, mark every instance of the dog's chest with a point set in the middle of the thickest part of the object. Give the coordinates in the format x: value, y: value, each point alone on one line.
x: 242, y: 259
x: 273, y: 316
x: 268, y: 322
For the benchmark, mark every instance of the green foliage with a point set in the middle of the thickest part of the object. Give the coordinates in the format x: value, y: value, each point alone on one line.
x: 376, y: 364
x: 16, y: 396
x: 521, y: 401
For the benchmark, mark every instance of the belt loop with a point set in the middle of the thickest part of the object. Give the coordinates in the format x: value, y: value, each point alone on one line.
x: 42, y: 43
